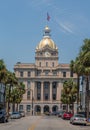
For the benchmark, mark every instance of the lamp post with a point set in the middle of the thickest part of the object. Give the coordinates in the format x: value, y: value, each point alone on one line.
x: 32, y: 100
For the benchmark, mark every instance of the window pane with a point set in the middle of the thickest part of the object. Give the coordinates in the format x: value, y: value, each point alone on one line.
x: 64, y: 74
x: 21, y: 74
x: 29, y: 73
x: 28, y: 84
x: 28, y: 107
x: 28, y: 95
x: 20, y: 107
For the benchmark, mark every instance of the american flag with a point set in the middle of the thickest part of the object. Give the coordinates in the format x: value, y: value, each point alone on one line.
x: 48, y: 17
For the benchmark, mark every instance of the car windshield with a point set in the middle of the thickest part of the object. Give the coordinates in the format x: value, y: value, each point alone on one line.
x: 79, y: 115
x: 15, y: 113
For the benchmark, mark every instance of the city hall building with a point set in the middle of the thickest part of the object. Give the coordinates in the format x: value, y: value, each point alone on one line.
x: 44, y: 79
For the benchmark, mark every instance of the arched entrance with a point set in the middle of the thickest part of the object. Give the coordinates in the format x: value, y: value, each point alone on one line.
x: 46, y: 108
x: 55, y: 108
x: 38, y: 109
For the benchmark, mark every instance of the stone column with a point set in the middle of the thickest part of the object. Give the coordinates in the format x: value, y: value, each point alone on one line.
x: 51, y: 108
x: 59, y: 88
x: 41, y: 91
x: 41, y: 109
x: 50, y: 91
x: 35, y: 91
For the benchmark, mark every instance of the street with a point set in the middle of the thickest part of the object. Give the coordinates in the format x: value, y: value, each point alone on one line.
x: 40, y: 123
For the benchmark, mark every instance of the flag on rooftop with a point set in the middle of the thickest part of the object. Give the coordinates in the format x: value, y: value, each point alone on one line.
x: 48, y: 17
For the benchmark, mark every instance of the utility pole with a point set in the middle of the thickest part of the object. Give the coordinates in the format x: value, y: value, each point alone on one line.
x: 32, y: 100
x: 87, y: 97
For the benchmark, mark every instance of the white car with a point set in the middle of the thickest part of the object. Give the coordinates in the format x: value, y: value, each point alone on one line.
x: 78, y: 119
x: 15, y: 115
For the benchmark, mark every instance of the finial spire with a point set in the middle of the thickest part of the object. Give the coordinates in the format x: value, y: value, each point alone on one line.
x: 47, y: 31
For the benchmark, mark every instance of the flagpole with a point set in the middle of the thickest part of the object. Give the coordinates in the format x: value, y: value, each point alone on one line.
x: 48, y: 17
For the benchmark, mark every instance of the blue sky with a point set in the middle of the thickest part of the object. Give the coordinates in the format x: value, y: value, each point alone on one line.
x: 22, y: 23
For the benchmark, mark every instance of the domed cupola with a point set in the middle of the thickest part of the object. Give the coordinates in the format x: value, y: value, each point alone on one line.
x: 46, y: 40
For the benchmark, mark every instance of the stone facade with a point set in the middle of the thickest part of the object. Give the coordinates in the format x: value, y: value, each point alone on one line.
x: 44, y: 79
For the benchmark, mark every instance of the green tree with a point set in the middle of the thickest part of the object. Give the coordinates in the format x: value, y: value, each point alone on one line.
x: 84, y: 56
x: 76, y: 67
x: 3, y: 78
x: 68, y: 95
x: 17, y: 95
x: 11, y: 81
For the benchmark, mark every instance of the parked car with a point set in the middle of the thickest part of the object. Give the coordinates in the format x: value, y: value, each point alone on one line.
x: 3, y: 116
x: 67, y: 115
x: 15, y: 115
x: 60, y: 113
x: 22, y: 113
x: 84, y: 113
x: 78, y: 119
x: 55, y: 113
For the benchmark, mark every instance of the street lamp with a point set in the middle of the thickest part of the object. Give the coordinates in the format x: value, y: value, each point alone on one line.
x: 32, y: 100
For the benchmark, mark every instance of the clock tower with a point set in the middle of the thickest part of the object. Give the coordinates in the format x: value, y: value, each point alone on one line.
x: 46, y: 53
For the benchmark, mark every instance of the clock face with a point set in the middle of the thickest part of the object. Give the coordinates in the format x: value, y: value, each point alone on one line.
x: 47, y: 54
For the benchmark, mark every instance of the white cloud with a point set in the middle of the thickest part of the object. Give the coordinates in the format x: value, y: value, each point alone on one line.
x: 38, y: 3
x: 65, y: 26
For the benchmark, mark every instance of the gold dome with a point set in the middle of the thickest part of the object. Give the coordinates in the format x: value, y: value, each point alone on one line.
x: 46, y: 40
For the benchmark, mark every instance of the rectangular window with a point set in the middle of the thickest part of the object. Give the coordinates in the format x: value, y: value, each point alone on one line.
x: 29, y: 73
x: 28, y: 107
x: 54, y: 96
x: 54, y: 73
x: 38, y: 85
x: 46, y: 96
x: 46, y: 72
x: 64, y: 74
x: 64, y: 107
x: 28, y: 84
x: 20, y: 107
x: 38, y: 72
x: 28, y: 95
x: 38, y: 96
x: 46, y: 85
x: 21, y: 74
x: 71, y: 74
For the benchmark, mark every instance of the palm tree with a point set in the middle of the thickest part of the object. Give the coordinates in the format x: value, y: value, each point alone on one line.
x: 76, y: 67
x: 84, y: 56
x: 20, y: 92
x: 68, y: 95
x: 11, y: 81
x: 3, y: 78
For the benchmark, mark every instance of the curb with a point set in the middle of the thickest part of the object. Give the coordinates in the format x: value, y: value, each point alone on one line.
x: 88, y: 123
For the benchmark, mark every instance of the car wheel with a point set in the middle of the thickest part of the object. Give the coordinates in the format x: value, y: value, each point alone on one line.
x: 70, y: 122
x: 4, y: 120
x: 84, y: 124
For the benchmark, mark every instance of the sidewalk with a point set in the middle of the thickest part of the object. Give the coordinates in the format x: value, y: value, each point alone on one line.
x: 88, y: 123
